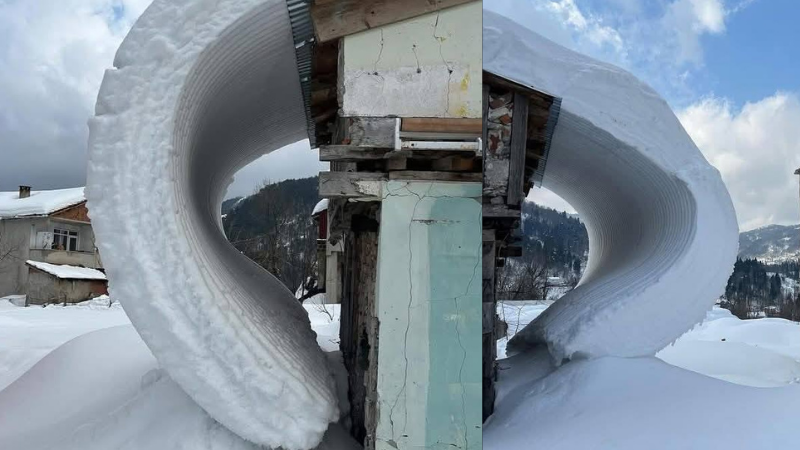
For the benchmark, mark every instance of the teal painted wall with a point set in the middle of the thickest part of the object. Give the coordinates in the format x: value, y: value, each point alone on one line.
x: 429, y: 308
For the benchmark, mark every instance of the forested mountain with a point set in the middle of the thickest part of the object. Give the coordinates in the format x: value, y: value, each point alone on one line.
x: 756, y: 288
x: 273, y: 227
x: 555, y: 247
x: 228, y: 204
x: 771, y: 244
x: 555, y: 237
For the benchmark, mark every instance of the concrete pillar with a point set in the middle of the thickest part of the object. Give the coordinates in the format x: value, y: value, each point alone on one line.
x: 429, y: 307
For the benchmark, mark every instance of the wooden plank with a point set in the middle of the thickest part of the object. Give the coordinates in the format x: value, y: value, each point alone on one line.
x: 443, y: 125
x: 437, y: 135
x: 485, y: 118
x: 465, y: 177
x: 536, y: 95
x: 519, y: 143
x: 454, y: 164
x: 433, y: 154
x: 509, y: 252
x: 350, y: 153
x: 500, y: 212
x: 396, y: 164
x: 334, y: 19
x: 350, y: 184
x: 488, y: 319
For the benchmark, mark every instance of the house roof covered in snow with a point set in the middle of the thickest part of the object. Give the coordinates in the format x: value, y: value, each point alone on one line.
x: 322, y: 205
x: 66, y: 272
x: 39, y: 203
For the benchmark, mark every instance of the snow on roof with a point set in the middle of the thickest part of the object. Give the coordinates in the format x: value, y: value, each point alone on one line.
x: 322, y: 205
x: 66, y: 272
x: 40, y: 203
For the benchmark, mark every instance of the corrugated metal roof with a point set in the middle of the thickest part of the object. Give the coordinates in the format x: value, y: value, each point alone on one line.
x: 303, y: 35
x: 550, y: 128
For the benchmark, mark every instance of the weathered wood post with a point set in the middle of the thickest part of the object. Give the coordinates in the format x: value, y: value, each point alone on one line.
x: 518, y: 122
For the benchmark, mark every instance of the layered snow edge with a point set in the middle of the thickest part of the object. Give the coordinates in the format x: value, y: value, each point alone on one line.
x: 662, y: 229
x: 185, y: 108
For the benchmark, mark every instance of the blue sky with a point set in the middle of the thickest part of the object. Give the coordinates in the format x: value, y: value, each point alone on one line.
x: 758, y: 54
x: 730, y: 69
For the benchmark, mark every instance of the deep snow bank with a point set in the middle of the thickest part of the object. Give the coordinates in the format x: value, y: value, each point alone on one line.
x: 635, y: 403
x: 103, y: 390
x: 662, y: 228
x: 29, y: 333
x: 200, y: 89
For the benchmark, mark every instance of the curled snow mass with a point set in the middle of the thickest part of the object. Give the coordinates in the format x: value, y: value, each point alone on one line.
x: 200, y: 89
x: 662, y: 228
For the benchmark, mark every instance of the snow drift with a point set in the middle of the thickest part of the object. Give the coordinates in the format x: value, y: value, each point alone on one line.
x: 199, y: 90
x: 662, y: 228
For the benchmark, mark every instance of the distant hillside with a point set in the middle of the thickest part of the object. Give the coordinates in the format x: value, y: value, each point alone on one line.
x: 555, y: 236
x: 274, y: 228
x: 555, y: 246
x: 228, y: 204
x: 771, y: 244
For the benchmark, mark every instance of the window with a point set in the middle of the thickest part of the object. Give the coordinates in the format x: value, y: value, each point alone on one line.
x: 65, y: 240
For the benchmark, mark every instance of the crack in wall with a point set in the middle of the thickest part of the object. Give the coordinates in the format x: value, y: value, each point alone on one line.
x: 380, y: 54
x: 403, y: 388
x: 406, y: 191
x: 441, y: 39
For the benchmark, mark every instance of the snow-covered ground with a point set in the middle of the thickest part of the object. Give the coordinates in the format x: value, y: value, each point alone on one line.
x: 761, y: 353
x: 28, y: 334
x: 635, y: 403
x: 80, y: 377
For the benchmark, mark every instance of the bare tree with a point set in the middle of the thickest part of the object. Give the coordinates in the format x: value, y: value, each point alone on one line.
x: 523, y: 279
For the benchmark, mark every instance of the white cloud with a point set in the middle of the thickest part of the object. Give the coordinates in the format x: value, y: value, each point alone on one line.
x: 52, y: 57
x: 756, y: 149
x: 587, y: 25
x: 53, y: 54
x: 296, y: 160
x: 689, y: 20
x: 548, y: 198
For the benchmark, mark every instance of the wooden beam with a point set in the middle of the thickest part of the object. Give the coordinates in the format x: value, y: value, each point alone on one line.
x: 464, y: 177
x: 437, y: 135
x: 350, y: 153
x: 485, y: 118
x: 454, y: 164
x: 509, y: 252
x: 536, y: 96
x: 350, y: 184
x: 334, y: 19
x: 500, y: 212
x: 519, y: 143
x: 442, y: 125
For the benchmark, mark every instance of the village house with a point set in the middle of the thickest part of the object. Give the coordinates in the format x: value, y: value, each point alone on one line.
x: 47, y: 249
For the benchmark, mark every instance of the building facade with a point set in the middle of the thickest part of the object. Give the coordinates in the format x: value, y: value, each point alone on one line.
x: 50, y: 227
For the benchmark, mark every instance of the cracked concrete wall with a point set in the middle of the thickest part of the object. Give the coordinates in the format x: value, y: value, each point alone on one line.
x: 428, y: 66
x: 429, y: 306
